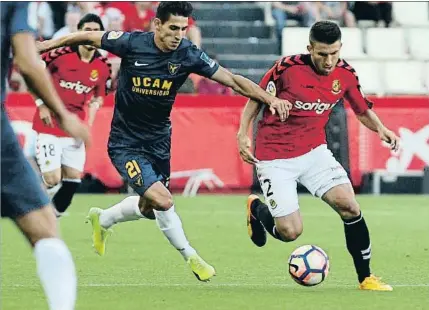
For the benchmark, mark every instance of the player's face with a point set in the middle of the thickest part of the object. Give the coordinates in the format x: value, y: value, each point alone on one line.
x: 325, y: 56
x: 171, y: 32
x: 92, y: 26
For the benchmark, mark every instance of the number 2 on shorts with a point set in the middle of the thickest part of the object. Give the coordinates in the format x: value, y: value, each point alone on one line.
x: 269, y: 192
x: 132, y: 168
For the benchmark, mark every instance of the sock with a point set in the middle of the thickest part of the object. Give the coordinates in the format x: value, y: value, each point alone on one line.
x: 262, y: 213
x: 57, y: 273
x: 359, y: 245
x: 124, y: 211
x: 170, y: 224
x: 63, y: 198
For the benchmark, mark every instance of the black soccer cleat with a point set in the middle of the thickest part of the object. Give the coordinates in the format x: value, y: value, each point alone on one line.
x: 255, y: 229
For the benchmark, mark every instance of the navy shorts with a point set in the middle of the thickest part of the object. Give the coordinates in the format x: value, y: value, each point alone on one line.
x: 21, y: 190
x: 140, y: 171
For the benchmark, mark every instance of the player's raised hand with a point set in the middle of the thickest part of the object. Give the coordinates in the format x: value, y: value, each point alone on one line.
x: 390, y: 137
x: 71, y: 124
x: 45, y: 115
x: 244, y: 148
x: 281, y: 107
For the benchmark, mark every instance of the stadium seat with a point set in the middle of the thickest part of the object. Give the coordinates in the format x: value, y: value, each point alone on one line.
x: 295, y: 40
x: 418, y: 40
x: 411, y: 13
x: 352, y: 44
x: 404, y: 77
x: 369, y: 76
x: 386, y: 43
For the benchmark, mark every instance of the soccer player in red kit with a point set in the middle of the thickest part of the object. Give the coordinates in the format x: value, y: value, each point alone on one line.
x: 295, y: 150
x: 80, y: 75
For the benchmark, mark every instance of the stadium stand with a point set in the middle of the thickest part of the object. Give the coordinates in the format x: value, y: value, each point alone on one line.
x: 388, y: 60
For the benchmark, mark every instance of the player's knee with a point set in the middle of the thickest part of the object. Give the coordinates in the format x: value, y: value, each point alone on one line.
x: 51, y: 179
x: 163, y: 203
x: 289, y: 233
x: 348, y: 207
x: 39, y: 224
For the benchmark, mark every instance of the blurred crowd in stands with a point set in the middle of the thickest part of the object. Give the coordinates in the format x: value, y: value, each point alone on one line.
x: 55, y: 19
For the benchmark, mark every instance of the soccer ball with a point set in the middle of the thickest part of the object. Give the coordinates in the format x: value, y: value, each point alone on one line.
x: 308, y: 265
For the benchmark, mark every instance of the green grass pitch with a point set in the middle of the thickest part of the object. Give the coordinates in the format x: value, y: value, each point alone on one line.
x: 142, y: 271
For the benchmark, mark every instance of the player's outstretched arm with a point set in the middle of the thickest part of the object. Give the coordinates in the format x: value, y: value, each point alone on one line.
x: 249, y: 113
x: 38, y: 80
x: 77, y: 38
x: 251, y: 90
x: 370, y: 120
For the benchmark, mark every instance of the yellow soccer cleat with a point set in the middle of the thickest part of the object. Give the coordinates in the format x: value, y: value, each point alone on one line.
x: 99, y: 234
x: 255, y: 229
x: 200, y: 268
x: 373, y: 283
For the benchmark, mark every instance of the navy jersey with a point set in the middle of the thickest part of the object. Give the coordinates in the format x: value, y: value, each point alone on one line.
x: 148, y: 82
x: 14, y: 19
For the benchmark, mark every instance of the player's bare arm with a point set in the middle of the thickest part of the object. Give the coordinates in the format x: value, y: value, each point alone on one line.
x: 38, y: 80
x: 249, y: 113
x: 370, y: 120
x: 251, y: 90
x: 94, y: 105
x: 77, y: 38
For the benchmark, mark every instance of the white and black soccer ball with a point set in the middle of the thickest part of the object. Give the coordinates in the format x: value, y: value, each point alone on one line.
x: 308, y: 265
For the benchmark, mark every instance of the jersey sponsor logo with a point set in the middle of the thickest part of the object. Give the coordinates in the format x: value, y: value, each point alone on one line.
x: 319, y: 107
x: 151, y: 86
x: 336, y: 87
x: 173, y: 68
x: 76, y: 86
x: 113, y: 35
x: 93, y: 75
x: 207, y: 60
x: 271, y: 88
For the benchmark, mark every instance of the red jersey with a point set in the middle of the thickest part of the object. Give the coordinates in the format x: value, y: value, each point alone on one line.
x: 313, y: 96
x: 75, y: 81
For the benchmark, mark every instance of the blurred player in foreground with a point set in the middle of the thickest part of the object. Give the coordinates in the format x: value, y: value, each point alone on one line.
x: 80, y: 75
x: 296, y: 150
x: 154, y: 65
x: 22, y: 197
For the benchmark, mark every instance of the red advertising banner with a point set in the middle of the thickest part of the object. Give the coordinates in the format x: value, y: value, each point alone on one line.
x: 204, y: 146
x: 408, y: 117
x: 203, y: 142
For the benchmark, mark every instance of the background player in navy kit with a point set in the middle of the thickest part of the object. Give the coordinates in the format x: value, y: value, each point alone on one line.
x: 153, y: 67
x: 22, y: 197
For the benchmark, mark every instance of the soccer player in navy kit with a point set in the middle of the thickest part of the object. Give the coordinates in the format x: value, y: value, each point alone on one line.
x: 22, y: 197
x: 153, y: 67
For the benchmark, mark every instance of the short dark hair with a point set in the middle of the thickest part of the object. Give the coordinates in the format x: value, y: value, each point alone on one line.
x: 90, y: 18
x: 178, y: 8
x: 325, y: 32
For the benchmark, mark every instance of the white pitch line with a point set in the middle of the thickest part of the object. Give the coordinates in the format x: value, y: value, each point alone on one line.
x: 211, y: 285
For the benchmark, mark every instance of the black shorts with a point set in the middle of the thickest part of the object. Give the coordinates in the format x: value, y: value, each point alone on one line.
x: 140, y: 170
x: 21, y: 189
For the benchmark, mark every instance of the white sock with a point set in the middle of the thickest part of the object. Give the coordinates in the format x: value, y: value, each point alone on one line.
x: 170, y: 224
x: 124, y: 211
x: 57, y: 273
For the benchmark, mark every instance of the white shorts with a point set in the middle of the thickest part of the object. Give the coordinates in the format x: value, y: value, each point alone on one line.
x: 317, y: 170
x: 53, y: 152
